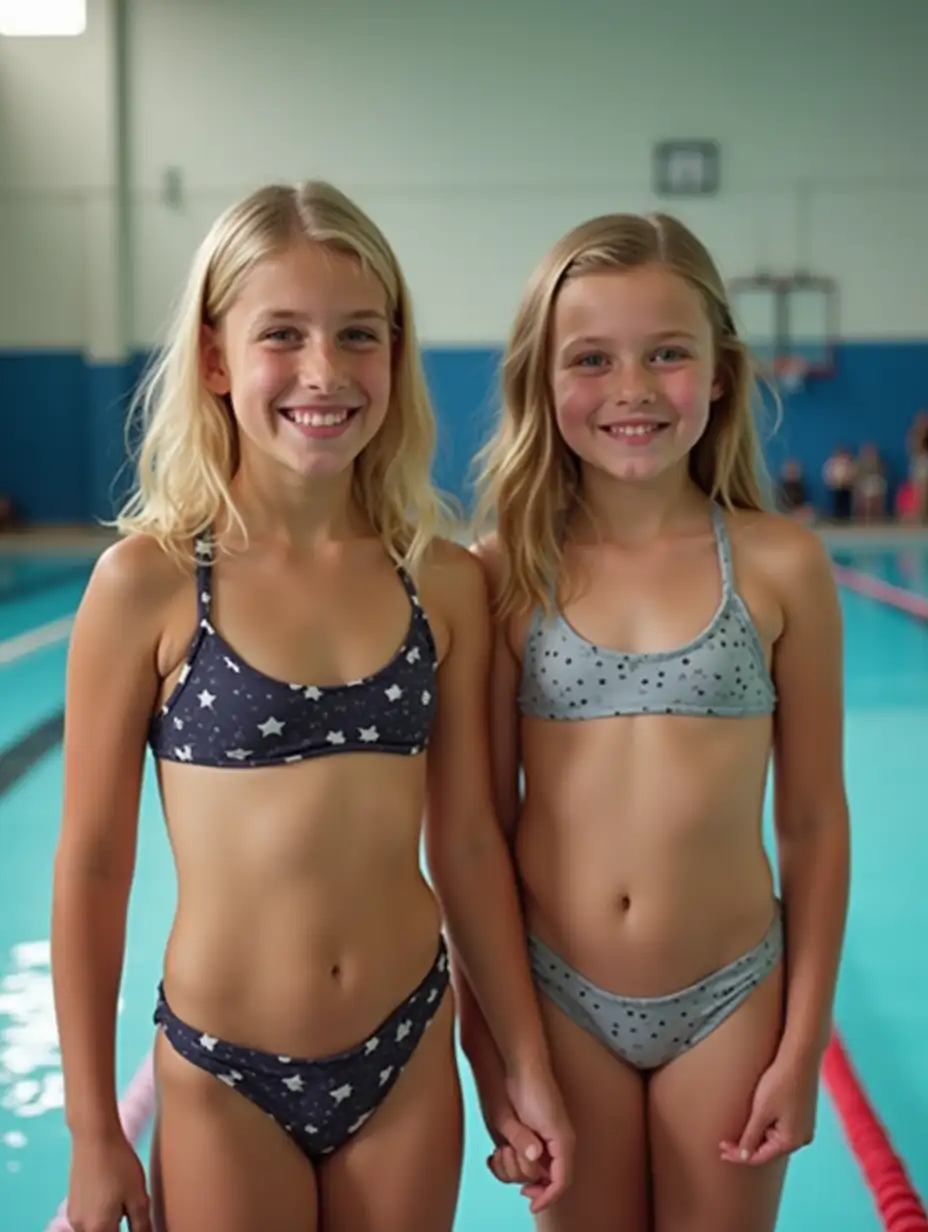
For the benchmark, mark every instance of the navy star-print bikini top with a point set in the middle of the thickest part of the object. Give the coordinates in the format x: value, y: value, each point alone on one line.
x: 222, y: 712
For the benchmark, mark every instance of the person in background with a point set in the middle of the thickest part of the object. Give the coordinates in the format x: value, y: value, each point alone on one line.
x: 870, y: 485
x: 840, y: 475
x: 792, y: 492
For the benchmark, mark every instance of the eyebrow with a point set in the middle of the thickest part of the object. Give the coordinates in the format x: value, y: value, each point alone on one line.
x: 594, y: 340
x: 287, y: 314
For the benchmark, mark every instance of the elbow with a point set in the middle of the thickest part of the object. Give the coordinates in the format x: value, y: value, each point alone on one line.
x: 465, y: 853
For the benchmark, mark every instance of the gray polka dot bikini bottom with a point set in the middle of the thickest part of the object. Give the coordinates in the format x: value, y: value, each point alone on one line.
x: 647, y: 1032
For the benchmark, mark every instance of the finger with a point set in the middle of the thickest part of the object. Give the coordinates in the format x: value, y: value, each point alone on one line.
x: 139, y: 1215
x: 504, y: 1165
x: 756, y: 1130
x: 523, y: 1140
x: 560, y: 1155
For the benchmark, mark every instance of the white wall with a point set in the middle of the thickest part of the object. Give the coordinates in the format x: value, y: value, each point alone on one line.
x: 476, y: 133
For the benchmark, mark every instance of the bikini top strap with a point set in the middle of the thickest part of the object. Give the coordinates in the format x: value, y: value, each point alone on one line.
x: 723, y: 542
x: 203, y: 548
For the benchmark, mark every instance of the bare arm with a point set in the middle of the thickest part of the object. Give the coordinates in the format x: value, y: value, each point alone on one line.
x: 111, y: 688
x: 467, y: 853
x: 810, y: 802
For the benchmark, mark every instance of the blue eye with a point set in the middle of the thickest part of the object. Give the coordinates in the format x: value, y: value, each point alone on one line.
x: 590, y: 361
x: 361, y: 335
x: 286, y: 333
x: 671, y: 354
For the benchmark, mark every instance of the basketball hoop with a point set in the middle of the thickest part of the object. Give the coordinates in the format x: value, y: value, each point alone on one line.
x: 791, y: 373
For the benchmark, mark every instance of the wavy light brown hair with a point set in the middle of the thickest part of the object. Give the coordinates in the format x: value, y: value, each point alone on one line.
x: 530, y: 480
x: 189, y: 448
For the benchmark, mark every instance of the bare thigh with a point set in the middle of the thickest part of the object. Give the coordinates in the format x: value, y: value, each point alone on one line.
x: 605, y: 1101
x: 402, y: 1171
x: 219, y: 1161
x: 704, y: 1098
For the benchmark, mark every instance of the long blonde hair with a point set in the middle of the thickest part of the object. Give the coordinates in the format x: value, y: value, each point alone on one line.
x: 189, y: 447
x: 530, y: 481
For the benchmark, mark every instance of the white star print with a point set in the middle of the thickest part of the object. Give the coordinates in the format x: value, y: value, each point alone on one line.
x: 179, y: 724
x: 238, y: 754
x: 403, y: 1030
x: 414, y: 656
x: 204, y: 624
x: 368, y: 734
x: 312, y: 694
x: 206, y: 598
x: 231, y: 1078
x: 342, y: 1093
x: 385, y: 1074
x: 394, y: 692
x: 432, y: 995
x: 271, y: 727
x: 206, y: 699
x: 284, y: 1060
x: 184, y: 754
x: 201, y: 547
x: 372, y: 1045
x: 208, y: 1042
x: 233, y: 667
x: 294, y: 1083
x: 310, y: 1129
x: 426, y: 697
x: 336, y: 737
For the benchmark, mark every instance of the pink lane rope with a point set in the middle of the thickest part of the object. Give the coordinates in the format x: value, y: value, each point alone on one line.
x: 884, y: 592
x: 899, y: 1206
x: 135, y: 1111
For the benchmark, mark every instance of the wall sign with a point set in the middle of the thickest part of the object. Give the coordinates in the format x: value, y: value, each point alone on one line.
x: 686, y: 168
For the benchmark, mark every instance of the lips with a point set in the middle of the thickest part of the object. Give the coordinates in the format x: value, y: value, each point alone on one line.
x: 636, y: 431
x: 317, y: 417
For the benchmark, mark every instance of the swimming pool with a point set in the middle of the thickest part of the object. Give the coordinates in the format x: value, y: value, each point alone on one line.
x: 882, y: 1004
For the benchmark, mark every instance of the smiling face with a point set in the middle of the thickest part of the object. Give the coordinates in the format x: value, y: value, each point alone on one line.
x: 633, y: 370
x: 304, y: 354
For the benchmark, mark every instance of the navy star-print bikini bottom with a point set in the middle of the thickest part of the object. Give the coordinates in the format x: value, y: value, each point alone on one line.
x: 320, y: 1103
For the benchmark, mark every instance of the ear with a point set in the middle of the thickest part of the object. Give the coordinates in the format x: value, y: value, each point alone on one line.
x: 212, y: 363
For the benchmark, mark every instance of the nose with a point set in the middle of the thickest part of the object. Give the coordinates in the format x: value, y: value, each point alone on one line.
x: 634, y: 384
x: 321, y: 367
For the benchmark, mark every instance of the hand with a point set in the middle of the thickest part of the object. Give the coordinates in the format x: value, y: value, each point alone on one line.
x: 782, y: 1118
x: 107, y: 1185
x: 534, y: 1139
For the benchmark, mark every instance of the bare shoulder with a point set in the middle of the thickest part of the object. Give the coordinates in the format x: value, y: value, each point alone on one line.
x: 454, y: 578
x: 132, y: 585
x: 492, y: 556
x: 792, y: 556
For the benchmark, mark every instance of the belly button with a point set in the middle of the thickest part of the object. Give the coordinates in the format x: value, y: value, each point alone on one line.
x: 625, y: 902
x: 336, y: 972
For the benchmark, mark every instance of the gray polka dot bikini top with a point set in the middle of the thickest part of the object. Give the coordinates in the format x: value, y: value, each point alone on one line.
x: 720, y: 672
x: 223, y: 712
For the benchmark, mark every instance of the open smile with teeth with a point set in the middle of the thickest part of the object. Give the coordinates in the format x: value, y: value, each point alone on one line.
x: 318, y: 419
x: 634, y: 431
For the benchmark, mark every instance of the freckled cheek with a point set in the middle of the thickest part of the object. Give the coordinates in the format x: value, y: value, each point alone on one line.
x: 374, y: 375
x: 688, y: 391
x: 263, y: 376
x: 575, y: 402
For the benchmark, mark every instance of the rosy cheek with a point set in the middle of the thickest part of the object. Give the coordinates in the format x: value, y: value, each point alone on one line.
x: 575, y: 401
x: 686, y: 389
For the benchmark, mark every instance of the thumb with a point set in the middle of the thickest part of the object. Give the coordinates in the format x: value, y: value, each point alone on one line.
x: 523, y: 1141
x: 754, y: 1132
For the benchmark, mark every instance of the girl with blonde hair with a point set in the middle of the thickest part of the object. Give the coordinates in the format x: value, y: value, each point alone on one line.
x: 660, y: 636
x: 307, y: 661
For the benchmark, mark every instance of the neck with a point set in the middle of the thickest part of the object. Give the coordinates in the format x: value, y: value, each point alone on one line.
x: 634, y: 512
x: 296, y: 510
